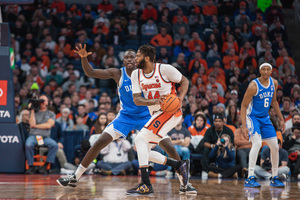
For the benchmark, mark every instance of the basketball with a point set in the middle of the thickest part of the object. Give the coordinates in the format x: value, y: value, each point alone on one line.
x: 171, y: 104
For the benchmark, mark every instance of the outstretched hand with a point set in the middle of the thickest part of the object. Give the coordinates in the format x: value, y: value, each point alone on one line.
x: 82, y: 51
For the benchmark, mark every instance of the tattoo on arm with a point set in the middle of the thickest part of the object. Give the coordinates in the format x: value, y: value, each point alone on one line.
x: 141, y: 101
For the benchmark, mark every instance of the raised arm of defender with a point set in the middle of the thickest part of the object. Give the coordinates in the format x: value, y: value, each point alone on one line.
x: 96, y: 73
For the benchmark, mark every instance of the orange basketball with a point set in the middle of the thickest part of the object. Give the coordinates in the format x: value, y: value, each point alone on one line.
x: 171, y: 104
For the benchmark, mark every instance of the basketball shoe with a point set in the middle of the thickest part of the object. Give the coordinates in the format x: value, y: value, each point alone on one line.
x: 183, y: 172
x: 251, y: 182
x: 68, y: 181
x: 189, y: 189
x: 140, y: 188
x: 275, y: 182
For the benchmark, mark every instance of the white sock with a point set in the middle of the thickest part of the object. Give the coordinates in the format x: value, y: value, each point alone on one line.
x: 274, y: 150
x: 219, y: 175
x: 256, y: 145
x: 79, y: 171
x: 157, y: 157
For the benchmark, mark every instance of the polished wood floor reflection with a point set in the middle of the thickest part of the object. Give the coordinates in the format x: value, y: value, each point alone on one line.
x: 114, y: 187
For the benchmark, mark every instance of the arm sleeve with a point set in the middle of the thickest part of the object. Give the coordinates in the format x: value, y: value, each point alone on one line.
x: 213, y: 152
x: 135, y: 82
x: 171, y: 73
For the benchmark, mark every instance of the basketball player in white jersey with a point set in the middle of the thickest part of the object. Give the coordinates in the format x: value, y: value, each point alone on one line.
x: 150, y: 83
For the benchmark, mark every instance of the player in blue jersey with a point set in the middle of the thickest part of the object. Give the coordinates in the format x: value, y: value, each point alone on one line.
x: 257, y: 124
x: 130, y: 117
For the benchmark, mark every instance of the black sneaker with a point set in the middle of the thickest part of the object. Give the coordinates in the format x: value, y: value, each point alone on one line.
x: 140, y: 188
x: 43, y: 169
x: 189, y: 189
x: 31, y: 170
x: 184, y: 171
x: 68, y: 181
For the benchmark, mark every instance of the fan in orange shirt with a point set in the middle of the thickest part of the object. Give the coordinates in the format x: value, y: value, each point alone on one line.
x: 210, y: 9
x: 196, y: 40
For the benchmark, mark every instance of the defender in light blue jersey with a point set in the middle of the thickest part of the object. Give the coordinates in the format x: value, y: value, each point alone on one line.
x: 260, y: 95
x: 131, y: 117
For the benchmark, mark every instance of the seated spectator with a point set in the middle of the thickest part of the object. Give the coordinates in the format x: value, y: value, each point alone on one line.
x: 291, y: 144
x: 133, y: 29
x: 180, y: 23
x: 211, y: 137
x: 211, y: 41
x: 162, y: 39
x: 289, y: 125
x: 62, y: 45
x: 79, y: 126
x: 179, y: 13
x: 232, y: 117
x: 289, y: 119
x: 198, y: 56
x: 229, y: 57
x: 164, y: 55
x: 39, y: 134
x: 198, y: 130
x: 54, y: 74
x: 277, y: 29
x: 116, y: 35
x: 24, y: 123
x: 115, y: 158
x: 182, y: 35
x: 210, y: 9
x: 58, y: 6
x: 242, y: 18
x: 286, y: 68
x: 98, y: 127
x: 111, y: 115
x: 164, y: 23
x: 230, y: 43
x: 81, y: 113
x: 189, y: 118
x: 110, y: 53
x: 213, y: 81
x: 261, y: 45
x: 250, y: 50
x: 196, y: 19
x: 181, y: 139
x: 201, y: 73
x: 224, y: 154
x: 149, y: 12
x: 149, y: 28
x: 58, y: 135
x: 79, y: 154
x: 264, y: 170
x: 182, y: 48
x: 243, y: 147
x: 196, y: 40
x: 213, y: 52
x: 284, y: 53
x: 105, y: 6
x: 99, y: 24
x: 67, y: 124
x: 267, y: 58
x: 286, y: 104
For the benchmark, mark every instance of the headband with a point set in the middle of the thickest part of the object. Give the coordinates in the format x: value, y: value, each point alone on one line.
x: 265, y: 64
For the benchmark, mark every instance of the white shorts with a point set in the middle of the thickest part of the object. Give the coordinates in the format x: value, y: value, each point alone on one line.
x: 157, y: 128
x: 113, y: 132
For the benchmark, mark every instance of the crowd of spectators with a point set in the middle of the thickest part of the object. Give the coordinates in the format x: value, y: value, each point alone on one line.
x: 217, y: 46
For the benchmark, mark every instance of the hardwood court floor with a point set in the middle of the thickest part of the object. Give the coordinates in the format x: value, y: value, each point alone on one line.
x: 114, y: 187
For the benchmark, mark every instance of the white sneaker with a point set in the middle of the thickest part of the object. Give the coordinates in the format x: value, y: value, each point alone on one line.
x: 204, y: 175
x: 66, y: 171
x: 299, y: 177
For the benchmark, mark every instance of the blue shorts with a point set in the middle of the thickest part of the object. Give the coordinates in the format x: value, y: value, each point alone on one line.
x: 123, y: 124
x: 262, y: 126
